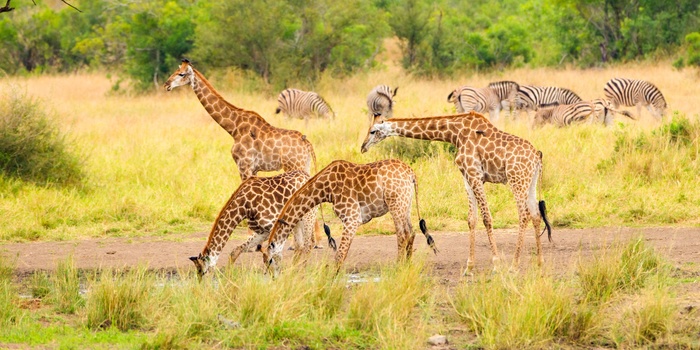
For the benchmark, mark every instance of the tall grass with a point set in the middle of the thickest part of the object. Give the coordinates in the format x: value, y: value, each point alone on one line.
x: 619, y: 268
x: 9, y: 312
x: 622, y: 297
x: 121, y: 299
x: 65, y: 294
x: 396, y: 308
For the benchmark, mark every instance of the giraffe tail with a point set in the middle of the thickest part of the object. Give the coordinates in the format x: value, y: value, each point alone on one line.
x: 331, y: 240
x: 541, y: 205
x: 543, y: 213
x: 421, y: 222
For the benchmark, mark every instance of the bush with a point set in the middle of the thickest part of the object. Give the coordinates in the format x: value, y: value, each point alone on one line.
x: 31, y: 145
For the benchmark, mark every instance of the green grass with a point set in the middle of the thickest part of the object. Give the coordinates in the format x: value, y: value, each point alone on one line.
x: 398, y: 305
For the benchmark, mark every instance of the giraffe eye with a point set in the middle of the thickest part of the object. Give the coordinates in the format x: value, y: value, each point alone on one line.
x: 182, y: 74
x: 373, y: 132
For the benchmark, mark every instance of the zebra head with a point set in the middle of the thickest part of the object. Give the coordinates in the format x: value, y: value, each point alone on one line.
x: 379, y: 130
x: 184, y: 75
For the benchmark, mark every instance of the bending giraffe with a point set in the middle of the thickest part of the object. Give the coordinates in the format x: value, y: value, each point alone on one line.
x: 259, y: 200
x: 484, y: 154
x: 359, y: 193
x: 257, y: 145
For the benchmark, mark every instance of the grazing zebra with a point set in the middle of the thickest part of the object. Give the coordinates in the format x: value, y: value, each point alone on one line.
x: 628, y: 92
x: 302, y: 104
x: 479, y: 100
x: 564, y: 115
x: 380, y: 101
x: 507, y: 92
x: 530, y: 98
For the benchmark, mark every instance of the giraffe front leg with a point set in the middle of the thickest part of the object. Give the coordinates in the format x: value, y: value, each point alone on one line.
x: 349, y: 230
x: 250, y: 243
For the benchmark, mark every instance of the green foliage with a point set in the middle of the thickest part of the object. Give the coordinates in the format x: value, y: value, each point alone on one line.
x: 289, y: 42
x: 120, y: 299
x: 692, y: 43
x: 31, y: 145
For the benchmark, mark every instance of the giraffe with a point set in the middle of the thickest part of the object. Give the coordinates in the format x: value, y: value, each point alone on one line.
x: 257, y: 145
x: 359, y: 193
x: 258, y: 199
x: 484, y: 154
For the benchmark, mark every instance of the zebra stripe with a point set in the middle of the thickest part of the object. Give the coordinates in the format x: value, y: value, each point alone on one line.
x: 302, y: 104
x: 480, y: 100
x: 532, y: 97
x: 380, y: 101
x: 507, y: 92
x: 567, y: 114
x: 629, y: 92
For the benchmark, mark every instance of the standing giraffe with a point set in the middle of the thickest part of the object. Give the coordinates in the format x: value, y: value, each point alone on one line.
x: 257, y: 145
x: 484, y: 154
x: 359, y: 193
x: 260, y: 200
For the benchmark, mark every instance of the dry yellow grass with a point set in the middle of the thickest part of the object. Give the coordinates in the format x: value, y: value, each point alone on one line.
x: 158, y: 163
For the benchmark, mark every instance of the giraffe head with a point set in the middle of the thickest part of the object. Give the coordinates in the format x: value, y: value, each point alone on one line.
x: 184, y: 75
x: 272, y: 249
x: 203, y: 264
x: 378, y: 131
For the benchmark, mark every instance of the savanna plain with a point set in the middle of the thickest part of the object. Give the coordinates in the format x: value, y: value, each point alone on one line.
x: 156, y: 170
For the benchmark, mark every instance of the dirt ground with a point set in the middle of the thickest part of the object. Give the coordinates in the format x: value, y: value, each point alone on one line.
x: 680, y: 245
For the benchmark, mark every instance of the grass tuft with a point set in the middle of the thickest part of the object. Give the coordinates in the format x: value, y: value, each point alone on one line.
x: 65, y: 294
x: 508, y: 310
x: 120, y: 299
x: 389, y: 309
x: 619, y: 268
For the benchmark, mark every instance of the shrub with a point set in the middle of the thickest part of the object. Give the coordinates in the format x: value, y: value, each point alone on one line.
x: 31, y: 145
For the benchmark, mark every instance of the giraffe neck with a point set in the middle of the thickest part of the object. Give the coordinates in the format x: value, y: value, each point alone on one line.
x: 229, y: 217
x: 434, y: 129
x: 314, y: 192
x: 228, y: 116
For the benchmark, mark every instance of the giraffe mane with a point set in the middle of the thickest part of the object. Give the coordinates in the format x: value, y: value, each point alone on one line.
x: 218, y: 95
x: 308, y: 183
x: 472, y: 114
x: 221, y: 212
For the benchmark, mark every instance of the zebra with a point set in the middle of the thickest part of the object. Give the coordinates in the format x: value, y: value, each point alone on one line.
x: 530, y: 98
x: 629, y: 92
x: 479, y: 100
x: 302, y: 104
x: 380, y: 101
x: 567, y: 114
x: 507, y: 91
